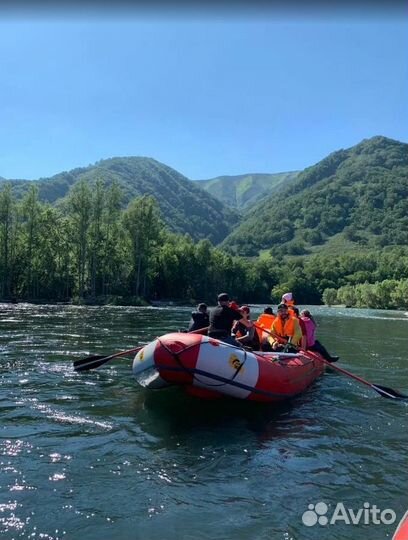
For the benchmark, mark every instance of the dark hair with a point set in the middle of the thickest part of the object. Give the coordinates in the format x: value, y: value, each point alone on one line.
x: 306, y: 313
x: 296, y: 310
x: 202, y: 306
x: 245, y: 308
x: 282, y: 306
x: 223, y: 297
x: 268, y: 311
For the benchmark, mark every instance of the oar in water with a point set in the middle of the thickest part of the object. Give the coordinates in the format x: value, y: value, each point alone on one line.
x: 382, y: 390
x: 93, y: 362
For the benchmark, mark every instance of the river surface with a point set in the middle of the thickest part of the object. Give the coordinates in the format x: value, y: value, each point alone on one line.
x: 92, y: 456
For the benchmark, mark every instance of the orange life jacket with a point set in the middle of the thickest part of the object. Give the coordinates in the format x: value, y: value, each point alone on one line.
x: 264, y: 321
x: 288, y: 328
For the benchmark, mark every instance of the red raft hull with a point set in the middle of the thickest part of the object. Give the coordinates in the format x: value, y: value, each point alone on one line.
x: 402, y: 530
x: 210, y: 368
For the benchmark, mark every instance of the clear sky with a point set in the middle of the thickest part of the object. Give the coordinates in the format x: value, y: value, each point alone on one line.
x: 212, y: 96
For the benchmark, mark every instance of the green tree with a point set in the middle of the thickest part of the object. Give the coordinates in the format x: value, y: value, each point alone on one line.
x: 7, y: 240
x: 143, y: 225
x: 31, y: 238
x: 329, y: 297
x: 80, y: 206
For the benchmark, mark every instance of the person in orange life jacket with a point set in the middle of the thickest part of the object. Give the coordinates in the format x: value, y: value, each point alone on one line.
x: 264, y: 322
x: 289, y: 301
x: 312, y: 344
x: 246, y: 336
x: 295, y: 313
x: 199, y: 318
x: 286, y: 327
x: 221, y: 319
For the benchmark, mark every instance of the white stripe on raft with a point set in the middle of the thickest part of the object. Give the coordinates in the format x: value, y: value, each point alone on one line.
x: 224, y: 361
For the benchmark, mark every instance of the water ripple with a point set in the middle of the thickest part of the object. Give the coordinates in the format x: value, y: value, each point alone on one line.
x: 90, y: 455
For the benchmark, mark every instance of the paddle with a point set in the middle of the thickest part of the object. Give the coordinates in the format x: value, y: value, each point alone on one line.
x: 93, y: 362
x: 382, y: 390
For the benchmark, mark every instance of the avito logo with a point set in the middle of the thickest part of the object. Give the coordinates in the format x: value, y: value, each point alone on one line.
x: 316, y: 514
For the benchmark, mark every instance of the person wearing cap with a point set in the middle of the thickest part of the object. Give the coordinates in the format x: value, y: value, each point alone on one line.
x: 287, y: 299
x: 199, y: 318
x: 289, y: 302
x: 222, y: 318
x: 285, y: 327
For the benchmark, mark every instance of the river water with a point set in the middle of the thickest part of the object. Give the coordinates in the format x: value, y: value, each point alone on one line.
x: 92, y: 456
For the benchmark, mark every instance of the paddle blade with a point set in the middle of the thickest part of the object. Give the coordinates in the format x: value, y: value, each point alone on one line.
x: 79, y: 363
x: 91, y: 362
x: 388, y: 392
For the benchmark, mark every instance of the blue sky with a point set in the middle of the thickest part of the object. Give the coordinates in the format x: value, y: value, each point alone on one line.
x: 216, y: 96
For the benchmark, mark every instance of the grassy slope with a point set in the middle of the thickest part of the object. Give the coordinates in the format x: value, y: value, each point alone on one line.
x: 245, y: 190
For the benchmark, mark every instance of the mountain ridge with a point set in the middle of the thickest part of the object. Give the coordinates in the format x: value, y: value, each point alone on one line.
x: 185, y: 207
x: 360, y: 192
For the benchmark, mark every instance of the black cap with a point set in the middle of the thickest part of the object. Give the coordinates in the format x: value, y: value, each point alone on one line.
x: 202, y: 306
x: 282, y: 306
x: 223, y: 297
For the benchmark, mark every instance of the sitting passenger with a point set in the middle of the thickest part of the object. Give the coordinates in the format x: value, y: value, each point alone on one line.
x: 263, y: 326
x: 312, y: 344
x: 295, y: 313
x: 199, y: 318
x: 286, y: 328
x: 243, y: 334
x: 222, y: 318
x: 289, y: 301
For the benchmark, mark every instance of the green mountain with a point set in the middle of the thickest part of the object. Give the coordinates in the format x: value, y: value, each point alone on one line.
x: 354, y: 198
x: 246, y: 190
x: 185, y: 207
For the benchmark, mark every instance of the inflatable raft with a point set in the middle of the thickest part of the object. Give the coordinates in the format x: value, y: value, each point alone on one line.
x: 210, y: 368
x: 402, y: 530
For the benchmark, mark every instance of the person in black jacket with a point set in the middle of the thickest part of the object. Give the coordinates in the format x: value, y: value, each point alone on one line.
x: 199, y: 318
x: 222, y: 318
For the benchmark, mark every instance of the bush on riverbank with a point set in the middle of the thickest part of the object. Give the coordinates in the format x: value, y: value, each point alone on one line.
x: 386, y: 294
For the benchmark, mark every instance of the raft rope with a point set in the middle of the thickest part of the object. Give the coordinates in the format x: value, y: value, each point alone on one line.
x: 188, y: 370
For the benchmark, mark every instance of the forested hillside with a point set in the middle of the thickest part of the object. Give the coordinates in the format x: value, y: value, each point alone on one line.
x: 245, y: 190
x: 184, y: 206
x: 360, y: 194
x: 91, y: 249
x: 338, y: 234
